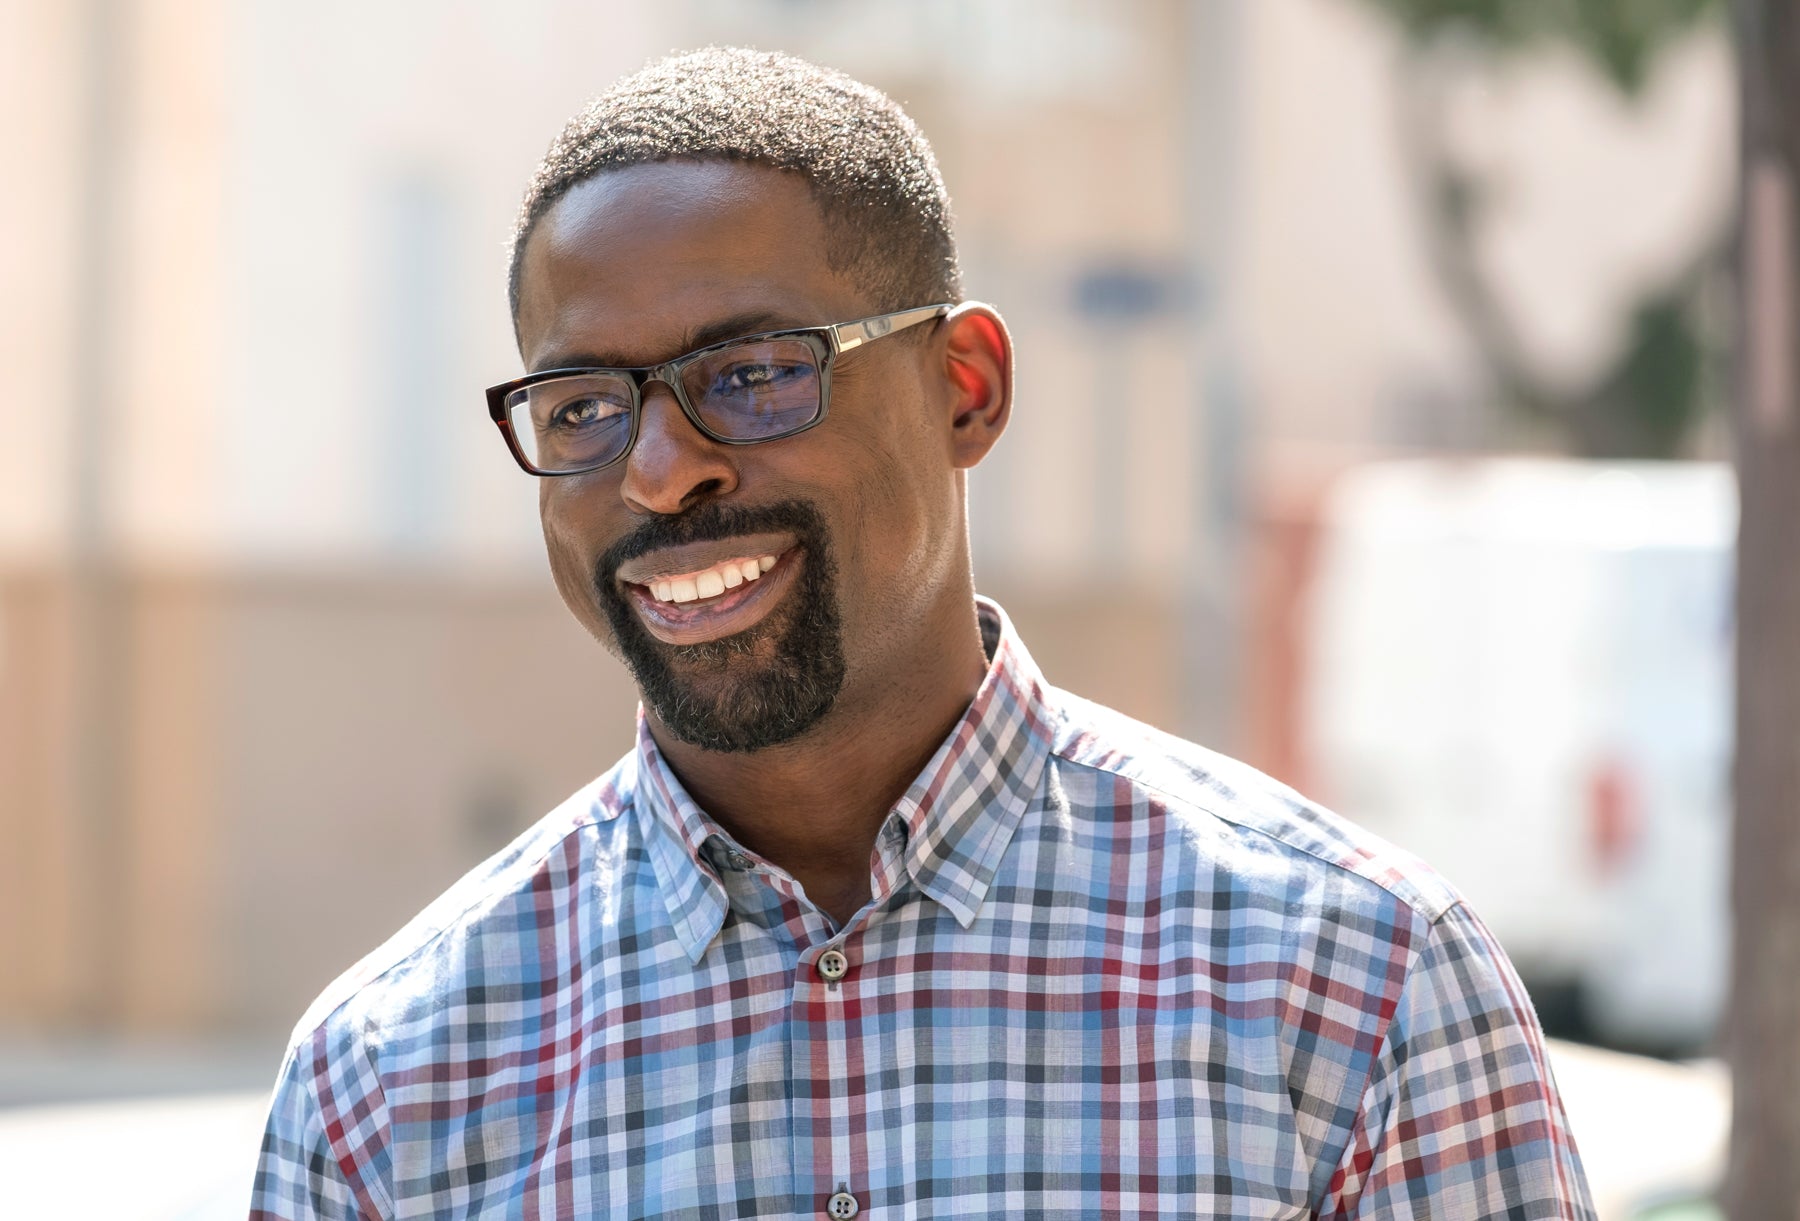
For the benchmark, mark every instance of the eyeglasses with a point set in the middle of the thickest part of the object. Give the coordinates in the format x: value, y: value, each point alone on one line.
x: 739, y: 392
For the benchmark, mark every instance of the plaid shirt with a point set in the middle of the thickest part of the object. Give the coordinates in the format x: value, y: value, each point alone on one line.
x: 1104, y: 972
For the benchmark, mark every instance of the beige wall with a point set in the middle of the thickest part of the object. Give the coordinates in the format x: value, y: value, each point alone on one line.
x: 306, y: 762
x: 38, y: 903
x: 40, y: 222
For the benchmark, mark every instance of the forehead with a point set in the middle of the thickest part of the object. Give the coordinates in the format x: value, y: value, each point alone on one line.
x: 631, y: 264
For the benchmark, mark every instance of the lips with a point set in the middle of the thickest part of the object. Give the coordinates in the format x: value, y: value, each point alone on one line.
x: 679, y: 603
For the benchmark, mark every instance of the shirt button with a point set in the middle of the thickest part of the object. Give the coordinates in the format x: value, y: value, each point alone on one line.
x: 832, y: 965
x: 842, y: 1206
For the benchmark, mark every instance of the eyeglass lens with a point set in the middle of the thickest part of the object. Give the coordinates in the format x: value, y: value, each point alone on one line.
x: 754, y: 391
x: 572, y: 423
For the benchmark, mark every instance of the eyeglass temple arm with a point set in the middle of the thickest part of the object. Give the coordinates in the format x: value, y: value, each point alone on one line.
x: 855, y: 334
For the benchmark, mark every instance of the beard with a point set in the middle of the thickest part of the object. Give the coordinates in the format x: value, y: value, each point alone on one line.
x: 760, y: 687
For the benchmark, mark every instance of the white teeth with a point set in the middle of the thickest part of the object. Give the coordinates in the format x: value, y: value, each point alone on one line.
x: 712, y: 582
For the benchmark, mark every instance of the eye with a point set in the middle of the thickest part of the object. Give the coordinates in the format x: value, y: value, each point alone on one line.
x: 578, y: 412
x: 748, y: 376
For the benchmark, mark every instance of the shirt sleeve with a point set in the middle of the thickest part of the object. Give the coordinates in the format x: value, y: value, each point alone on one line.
x: 299, y: 1175
x: 1460, y: 1117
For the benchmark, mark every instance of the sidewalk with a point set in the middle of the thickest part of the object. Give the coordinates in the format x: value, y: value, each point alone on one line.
x: 1650, y: 1132
x: 163, y: 1131
x: 167, y: 1159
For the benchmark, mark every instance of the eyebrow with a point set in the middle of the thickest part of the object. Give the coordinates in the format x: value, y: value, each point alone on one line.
x: 750, y: 322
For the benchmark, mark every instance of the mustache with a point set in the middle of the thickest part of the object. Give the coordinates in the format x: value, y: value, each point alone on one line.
x: 710, y: 523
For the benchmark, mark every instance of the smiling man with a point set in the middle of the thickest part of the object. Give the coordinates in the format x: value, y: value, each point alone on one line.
x: 872, y: 920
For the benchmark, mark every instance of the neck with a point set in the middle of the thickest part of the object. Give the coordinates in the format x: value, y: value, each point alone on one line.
x: 814, y: 806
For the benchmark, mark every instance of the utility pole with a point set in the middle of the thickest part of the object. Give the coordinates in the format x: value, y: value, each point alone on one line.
x: 1763, y: 1032
x: 1212, y: 636
x: 97, y: 623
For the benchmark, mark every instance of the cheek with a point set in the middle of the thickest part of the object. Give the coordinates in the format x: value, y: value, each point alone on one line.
x: 902, y: 535
x: 569, y: 545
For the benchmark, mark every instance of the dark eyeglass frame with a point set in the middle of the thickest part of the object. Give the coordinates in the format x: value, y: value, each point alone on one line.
x: 827, y: 344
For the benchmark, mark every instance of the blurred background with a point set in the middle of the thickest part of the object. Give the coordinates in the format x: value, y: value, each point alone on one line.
x: 1370, y: 428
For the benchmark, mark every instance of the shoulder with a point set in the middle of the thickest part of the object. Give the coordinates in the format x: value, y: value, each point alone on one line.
x: 428, y: 955
x: 1254, y: 826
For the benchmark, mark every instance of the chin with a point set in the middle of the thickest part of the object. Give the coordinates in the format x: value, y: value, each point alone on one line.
x: 765, y: 686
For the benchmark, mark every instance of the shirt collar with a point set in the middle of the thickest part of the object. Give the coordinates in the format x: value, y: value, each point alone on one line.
x: 959, y: 814
x: 676, y: 833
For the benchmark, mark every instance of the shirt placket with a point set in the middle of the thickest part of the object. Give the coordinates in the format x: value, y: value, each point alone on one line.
x: 831, y: 1131
x: 826, y: 1131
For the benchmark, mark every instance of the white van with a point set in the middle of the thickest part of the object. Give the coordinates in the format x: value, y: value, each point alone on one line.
x: 1521, y: 670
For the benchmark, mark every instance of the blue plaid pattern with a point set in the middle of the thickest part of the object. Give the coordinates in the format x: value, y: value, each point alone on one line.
x: 1104, y: 972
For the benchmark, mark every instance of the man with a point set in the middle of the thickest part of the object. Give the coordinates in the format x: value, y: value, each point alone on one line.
x: 872, y: 920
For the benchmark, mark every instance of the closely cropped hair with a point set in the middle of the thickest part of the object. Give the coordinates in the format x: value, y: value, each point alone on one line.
x: 870, y: 168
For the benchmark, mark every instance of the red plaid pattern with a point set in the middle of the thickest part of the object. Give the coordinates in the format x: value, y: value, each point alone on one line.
x: 1104, y: 972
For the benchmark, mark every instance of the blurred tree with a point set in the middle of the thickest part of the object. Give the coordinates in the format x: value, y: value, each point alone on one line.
x: 1763, y: 1042
x: 1646, y: 403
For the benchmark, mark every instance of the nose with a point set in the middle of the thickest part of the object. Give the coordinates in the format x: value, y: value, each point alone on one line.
x: 673, y: 466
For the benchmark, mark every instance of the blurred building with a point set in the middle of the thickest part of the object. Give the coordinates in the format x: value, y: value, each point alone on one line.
x: 279, y: 657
